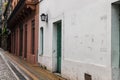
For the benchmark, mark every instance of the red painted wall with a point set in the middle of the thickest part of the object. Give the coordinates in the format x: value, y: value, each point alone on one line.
x: 15, y: 38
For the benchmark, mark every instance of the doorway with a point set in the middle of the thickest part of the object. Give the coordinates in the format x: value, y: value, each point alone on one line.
x: 25, y: 52
x: 115, y: 40
x: 21, y: 40
x: 57, y: 37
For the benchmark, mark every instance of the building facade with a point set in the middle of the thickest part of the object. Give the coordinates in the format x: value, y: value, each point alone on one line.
x: 23, y: 23
x: 80, y: 39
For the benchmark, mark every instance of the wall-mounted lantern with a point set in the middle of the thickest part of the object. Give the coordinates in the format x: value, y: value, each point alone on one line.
x: 44, y: 17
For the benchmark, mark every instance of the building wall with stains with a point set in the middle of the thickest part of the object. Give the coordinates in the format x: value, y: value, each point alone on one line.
x: 87, y: 43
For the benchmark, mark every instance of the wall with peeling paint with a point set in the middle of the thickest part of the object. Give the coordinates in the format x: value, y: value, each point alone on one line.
x: 86, y: 37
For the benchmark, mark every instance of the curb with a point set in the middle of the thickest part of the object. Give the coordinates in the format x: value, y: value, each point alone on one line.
x: 2, y: 55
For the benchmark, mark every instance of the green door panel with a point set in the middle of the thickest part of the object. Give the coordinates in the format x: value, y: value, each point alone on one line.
x: 59, y: 47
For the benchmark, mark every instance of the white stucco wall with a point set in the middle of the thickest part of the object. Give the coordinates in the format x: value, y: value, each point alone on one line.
x: 86, y: 37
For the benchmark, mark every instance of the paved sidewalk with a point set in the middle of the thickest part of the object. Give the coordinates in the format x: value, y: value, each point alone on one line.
x: 5, y: 72
x: 32, y: 70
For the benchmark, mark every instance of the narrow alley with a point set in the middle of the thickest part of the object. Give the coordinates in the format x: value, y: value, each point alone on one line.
x: 59, y: 39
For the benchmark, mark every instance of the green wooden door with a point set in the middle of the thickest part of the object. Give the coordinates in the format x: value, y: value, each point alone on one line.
x: 59, y: 47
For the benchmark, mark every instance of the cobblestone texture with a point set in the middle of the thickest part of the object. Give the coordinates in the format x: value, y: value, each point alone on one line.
x: 5, y: 72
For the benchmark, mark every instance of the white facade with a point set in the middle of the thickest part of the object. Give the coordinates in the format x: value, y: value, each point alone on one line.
x: 89, y: 40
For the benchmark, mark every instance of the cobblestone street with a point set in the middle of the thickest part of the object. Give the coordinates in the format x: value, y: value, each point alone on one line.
x: 14, y: 68
x: 5, y: 72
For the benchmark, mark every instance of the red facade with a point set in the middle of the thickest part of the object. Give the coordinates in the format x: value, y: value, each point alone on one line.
x: 24, y: 27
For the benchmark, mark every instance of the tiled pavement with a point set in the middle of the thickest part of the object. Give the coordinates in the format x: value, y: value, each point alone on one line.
x: 5, y: 72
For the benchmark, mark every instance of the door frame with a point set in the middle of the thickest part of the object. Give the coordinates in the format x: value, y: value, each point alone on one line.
x: 54, y: 63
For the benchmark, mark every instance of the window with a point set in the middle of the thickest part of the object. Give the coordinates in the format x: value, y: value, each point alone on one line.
x: 33, y: 35
x: 41, y: 41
